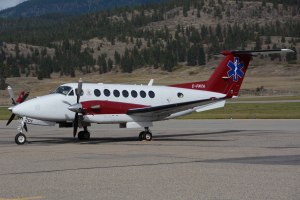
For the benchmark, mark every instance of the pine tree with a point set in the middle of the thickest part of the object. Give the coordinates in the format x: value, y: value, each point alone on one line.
x: 117, y: 58
x: 292, y: 57
x: 102, y: 64
x: 201, y: 56
x: 126, y: 62
x: 109, y: 64
x: 2, y: 72
x: 257, y: 43
x: 192, y: 56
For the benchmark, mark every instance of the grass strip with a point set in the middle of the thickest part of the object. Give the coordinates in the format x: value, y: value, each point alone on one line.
x: 251, y: 111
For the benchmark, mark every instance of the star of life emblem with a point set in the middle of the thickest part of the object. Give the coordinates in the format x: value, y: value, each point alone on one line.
x: 235, y: 69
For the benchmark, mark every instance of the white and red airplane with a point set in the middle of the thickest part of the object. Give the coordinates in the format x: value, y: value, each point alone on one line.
x: 131, y: 106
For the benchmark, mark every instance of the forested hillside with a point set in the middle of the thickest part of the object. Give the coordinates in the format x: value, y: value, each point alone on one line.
x: 67, y: 7
x: 165, y: 35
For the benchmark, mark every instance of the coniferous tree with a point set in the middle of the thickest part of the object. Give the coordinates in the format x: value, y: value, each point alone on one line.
x: 201, y: 56
x: 109, y: 64
x: 292, y: 57
x: 126, y: 62
x: 257, y: 43
x: 2, y: 70
x: 102, y: 63
x: 117, y: 58
x: 192, y: 55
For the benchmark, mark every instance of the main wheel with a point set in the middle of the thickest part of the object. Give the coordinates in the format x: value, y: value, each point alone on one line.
x: 141, y: 135
x: 83, y: 135
x: 80, y: 135
x: 148, y: 136
x: 86, y: 135
x: 20, y: 138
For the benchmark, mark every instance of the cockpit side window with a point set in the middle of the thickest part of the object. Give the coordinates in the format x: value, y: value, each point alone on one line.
x: 62, y: 90
x: 71, y: 93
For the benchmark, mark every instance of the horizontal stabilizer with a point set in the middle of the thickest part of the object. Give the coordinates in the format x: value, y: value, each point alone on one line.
x: 258, y: 52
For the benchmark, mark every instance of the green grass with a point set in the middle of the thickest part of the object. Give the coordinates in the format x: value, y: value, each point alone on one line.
x: 265, y: 98
x: 251, y: 111
x: 4, y: 113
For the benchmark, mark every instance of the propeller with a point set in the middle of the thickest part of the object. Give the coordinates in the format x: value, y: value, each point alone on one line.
x: 11, y: 95
x: 78, y: 94
x: 10, y: 119
x: 21, y: 98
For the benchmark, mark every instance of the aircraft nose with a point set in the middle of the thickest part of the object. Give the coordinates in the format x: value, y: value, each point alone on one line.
x: 24, y: 109
x: 49, y: 108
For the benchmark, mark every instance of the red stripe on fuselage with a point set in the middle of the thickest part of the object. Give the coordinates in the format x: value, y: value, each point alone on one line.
x: 108, y: 107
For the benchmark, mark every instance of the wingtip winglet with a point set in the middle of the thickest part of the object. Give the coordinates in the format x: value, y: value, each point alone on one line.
x: 287, y: 51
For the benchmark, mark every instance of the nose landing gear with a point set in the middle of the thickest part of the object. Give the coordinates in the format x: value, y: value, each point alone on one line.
x: 145, y: 135
x: 20, y: 137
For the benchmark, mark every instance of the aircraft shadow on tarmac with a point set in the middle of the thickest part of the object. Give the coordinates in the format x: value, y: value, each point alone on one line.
x: 163, y: 137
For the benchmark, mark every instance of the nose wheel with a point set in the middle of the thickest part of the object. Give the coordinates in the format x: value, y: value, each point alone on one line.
x: 145, y: 135
x: 20, y: 139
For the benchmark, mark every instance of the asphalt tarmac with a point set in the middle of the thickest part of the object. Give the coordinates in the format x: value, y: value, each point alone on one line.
x: 187, y: 159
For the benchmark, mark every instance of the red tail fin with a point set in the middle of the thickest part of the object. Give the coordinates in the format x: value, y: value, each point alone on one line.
x: 229, y: 75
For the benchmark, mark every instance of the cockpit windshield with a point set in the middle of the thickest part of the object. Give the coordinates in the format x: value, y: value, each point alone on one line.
x: 62, y: 90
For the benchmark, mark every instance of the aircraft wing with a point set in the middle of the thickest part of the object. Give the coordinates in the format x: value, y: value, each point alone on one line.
x: 166, y: 110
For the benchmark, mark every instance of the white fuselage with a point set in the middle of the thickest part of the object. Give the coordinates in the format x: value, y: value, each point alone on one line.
x: 54, y: 107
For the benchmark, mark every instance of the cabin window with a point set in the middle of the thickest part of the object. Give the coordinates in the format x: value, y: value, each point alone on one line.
x: 116, y: 93
x: 106, y: 92
x: 151, y: 94
x: 134, y: 94
x: 97, y: 93
x: 180, y: 95
x: 71, y: 93
x: 143, y: 94
x: 125, y: 93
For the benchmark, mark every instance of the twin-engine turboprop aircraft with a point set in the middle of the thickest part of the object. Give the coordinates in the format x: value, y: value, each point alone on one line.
x: 131, y: 106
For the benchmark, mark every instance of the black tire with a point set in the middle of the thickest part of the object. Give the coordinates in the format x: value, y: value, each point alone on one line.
x: 86, y: 135
x: 20, y: 139
x: 148, y: 136
x: 81, y: 135
x: 142, y: 136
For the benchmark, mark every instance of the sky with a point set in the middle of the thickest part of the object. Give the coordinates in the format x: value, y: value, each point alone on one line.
x: 9, y: 3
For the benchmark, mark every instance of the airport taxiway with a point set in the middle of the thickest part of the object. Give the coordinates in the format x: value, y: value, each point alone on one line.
x: 188, y: 159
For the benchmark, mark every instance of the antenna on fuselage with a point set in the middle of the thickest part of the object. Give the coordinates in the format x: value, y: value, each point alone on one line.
x: 151, y: 82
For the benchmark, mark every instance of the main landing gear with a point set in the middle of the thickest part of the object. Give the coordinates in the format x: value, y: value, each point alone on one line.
x: 145, y: 135
x: 84, y: 135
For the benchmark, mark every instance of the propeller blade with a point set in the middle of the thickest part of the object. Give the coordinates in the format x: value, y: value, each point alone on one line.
x: 25, y: 96
x: 25, y: 127
x: 75, y: 124
x: 78, y: 94
x: 10, y: 119
x: 11, y: 95
x: 79, y: 90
